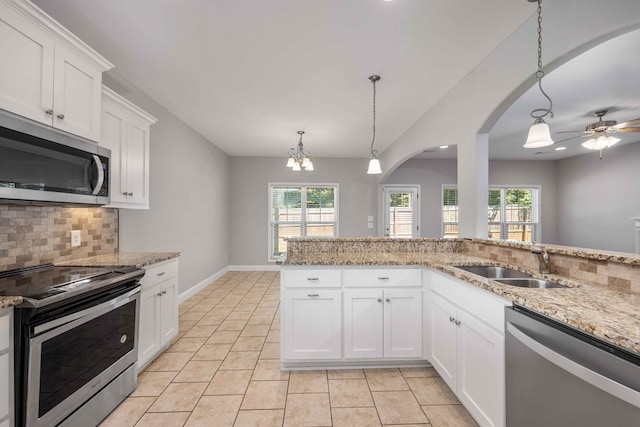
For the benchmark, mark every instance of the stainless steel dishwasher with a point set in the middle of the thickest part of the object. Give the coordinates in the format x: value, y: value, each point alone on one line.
x: 559, y: 376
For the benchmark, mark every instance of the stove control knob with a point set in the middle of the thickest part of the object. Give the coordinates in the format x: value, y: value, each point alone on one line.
x: 123, y: 339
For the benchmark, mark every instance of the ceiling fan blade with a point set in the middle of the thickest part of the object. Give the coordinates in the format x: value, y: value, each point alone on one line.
x: 627, y: 124
x: 570, y: 131
x: 625, y: 130
x: 569, y: 139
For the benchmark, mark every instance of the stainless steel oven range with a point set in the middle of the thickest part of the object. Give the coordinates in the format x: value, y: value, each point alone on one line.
x: 76, y: 342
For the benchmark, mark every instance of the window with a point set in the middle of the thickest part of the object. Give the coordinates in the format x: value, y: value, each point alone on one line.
x: 298, y: 210
x: 513, y: 213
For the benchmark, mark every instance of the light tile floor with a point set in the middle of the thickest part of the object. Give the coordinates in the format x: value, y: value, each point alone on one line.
x: 223, y: 369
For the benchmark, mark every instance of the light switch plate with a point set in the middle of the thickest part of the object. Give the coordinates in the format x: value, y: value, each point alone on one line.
x: 370, y: 218
x: 76, y: 238
x: 370, y: 225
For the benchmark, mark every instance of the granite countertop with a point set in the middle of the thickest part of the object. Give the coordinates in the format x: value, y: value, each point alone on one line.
x: 122, y: 259
x: 609, y: 315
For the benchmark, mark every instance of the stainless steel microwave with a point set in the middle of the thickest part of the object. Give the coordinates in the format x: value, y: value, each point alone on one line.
x: 41, y: 165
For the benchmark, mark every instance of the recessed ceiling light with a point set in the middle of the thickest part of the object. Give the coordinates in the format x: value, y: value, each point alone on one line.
x: 560, y: 148
x: 442, y: 146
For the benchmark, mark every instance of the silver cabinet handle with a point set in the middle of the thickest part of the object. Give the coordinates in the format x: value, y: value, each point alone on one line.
x: 595, y: 379
x: 313, y: 295
x: 162, y: 274
x: 379, y: 299
x: 451, y: 319
x: 159, y: 294
x: 125, y: 193
x: 387, y: 299
x: 49, y: 111
x: 60, y: 116
x: 164, y: 292
x: 312, y: 279
x: 131, y: 194
x: 383, y: 278
x: 457, y: 322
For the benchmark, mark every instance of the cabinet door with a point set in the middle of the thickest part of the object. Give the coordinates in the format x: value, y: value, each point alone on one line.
x: 114, y: 130
x: 363, y: 323
x: 403, y: 323
x: 312, y: 324
x: 443, y: 339
x: 169, y: 311
x: 137, y: 162
x: 26, y: 74
x: 77, y: 95
x: 150, y: 321
x: 480, y: 370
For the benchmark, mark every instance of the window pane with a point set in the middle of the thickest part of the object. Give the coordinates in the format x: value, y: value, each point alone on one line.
x: 287, y: 204
x: 451, y: 230
x: 320, y: 204
x: 494, y: 231
x: 520, y: 232
x: 494, y: 206
x: 280, y: 232
x: 518, y: 205
x: 450, y: 212
x: 318, y: 230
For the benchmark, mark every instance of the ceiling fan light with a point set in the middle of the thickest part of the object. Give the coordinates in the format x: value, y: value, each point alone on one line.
x: 539, y: 135
x: 601, y: 142
x: 374, y: 167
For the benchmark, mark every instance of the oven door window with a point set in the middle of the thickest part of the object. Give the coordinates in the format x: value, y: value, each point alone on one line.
x: 78, y: 355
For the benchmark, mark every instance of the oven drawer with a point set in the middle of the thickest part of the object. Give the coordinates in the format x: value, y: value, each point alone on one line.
x: 159, y: 272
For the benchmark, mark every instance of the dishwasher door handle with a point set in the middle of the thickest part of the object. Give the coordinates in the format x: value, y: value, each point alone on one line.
x: 597, y: 380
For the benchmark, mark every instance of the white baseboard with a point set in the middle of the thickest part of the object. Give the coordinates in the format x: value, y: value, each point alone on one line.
x: 266, y: 267
x: 200, y: 286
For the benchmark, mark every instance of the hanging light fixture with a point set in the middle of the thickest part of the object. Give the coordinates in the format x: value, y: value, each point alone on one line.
x: 539, y: 135
x: 374, y: 163
x: 298, y: 158
x: 600, y: 141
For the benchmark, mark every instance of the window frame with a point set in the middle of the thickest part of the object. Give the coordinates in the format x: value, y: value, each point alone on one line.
x: 536, y: 209
x: 303, y: 217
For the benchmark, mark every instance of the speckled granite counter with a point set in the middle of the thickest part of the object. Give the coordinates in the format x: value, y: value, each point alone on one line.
x: 610, y: 315
x: 9, y: 301
x: 122, y: 259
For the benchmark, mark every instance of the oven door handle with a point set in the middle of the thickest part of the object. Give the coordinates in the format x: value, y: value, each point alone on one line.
x: 89, y: 313
x: 597, y: 380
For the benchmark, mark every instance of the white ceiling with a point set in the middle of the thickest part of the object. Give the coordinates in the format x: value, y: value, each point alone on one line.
x: 247, y: 74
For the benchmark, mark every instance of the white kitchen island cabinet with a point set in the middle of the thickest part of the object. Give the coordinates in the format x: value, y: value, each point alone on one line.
x: 6, y: 367
x: 125, y: 131
x: 158, y: 310
x: 466, y: 333
x: 49, y: 75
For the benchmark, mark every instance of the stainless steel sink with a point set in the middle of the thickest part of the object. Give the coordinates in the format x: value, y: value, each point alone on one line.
x: 531, y: 283
x: 492, y: 272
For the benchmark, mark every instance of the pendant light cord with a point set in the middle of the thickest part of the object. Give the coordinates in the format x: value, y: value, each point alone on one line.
x: 374, y: 80
x: 536, y: 114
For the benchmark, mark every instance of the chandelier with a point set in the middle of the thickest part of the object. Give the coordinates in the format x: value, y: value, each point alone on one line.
x: 374, y: 163
x: 298, y: 158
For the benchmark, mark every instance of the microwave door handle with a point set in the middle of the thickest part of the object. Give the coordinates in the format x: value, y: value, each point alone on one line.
x: 97, y: 164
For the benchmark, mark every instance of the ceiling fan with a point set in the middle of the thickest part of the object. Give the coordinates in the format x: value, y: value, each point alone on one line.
x: 600, y: 131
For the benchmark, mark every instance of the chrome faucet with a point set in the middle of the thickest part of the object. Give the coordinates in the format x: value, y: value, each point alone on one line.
x: 543, y: 258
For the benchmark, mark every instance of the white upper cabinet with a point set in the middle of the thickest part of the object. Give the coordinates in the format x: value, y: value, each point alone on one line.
x: 125, y: 131
x: 47, y: 73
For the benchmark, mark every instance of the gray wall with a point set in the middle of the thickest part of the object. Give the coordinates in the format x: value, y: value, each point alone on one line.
x: 597, y: 197
x: 249, y: 181
x: 432, y: 174
x: 189, y: 197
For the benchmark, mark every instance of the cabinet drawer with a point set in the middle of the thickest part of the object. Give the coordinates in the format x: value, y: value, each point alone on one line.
x: 4, y: 383
x: 160, y: 272
x: 314, y: 278
x: 368, y: 277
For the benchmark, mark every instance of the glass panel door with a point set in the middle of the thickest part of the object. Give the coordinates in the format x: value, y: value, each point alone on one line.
x: 402, y: 212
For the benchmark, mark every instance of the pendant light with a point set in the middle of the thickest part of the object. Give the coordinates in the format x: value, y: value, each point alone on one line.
x: 539, y: 135
x: 298, y: 158
x: 374, y: 163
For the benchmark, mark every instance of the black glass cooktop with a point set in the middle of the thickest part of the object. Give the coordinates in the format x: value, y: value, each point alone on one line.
x: 44, y: 281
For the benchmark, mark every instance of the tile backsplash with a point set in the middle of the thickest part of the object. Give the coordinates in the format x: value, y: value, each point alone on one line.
x: 33, y: 235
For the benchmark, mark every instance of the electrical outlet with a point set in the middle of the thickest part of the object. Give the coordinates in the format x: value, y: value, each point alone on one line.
x: 76, y: 238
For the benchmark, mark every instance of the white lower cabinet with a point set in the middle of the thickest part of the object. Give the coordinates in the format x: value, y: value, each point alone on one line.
x: 312, y: 324
x: 382, y: 323
x: 466, y: 349
x: 6, y: 367
x: 158, y: 310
